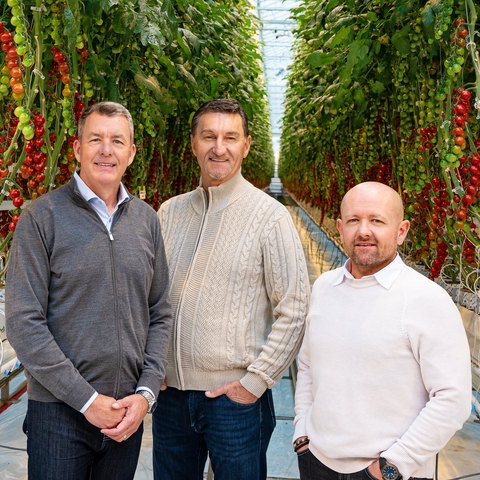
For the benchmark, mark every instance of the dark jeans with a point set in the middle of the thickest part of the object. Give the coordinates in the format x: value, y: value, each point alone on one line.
x: 188, y: 426
x: 63, y: 445
x: 313, y: 469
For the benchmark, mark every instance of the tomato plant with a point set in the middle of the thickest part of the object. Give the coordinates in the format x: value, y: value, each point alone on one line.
x: 161, y: 59
x: 390, y: 91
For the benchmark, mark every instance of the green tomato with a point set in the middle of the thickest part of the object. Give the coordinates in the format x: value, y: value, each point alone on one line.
x: 12, y: 3
x: 20, y: 28
x: 27, y: 129
x: 79, y: 39
x: 72, y: 131
x: 27, y: 60
x: 16, y: 21
x: 19, y: 38
x: 24, y: 118
x: 80, y: 45
x: 16, y: 11
x: 22, y: 49
x: 18, y: 111
x: 88, y: 85
x: 3, y: 89
x: 69, y: 123
x: 4, y: 80
x: 66, y: 103
x: 29, y: 135
x: 89, y: 93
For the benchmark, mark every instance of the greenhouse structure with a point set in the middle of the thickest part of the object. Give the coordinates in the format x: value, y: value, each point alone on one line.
x: 249, y: 229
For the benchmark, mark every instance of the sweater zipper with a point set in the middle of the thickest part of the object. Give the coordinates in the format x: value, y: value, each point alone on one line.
x: 115, y: 302
x: 177, y: 330
x: 115, y: 293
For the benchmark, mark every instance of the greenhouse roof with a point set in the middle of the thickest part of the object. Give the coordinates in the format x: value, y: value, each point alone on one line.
x: 277, y: 38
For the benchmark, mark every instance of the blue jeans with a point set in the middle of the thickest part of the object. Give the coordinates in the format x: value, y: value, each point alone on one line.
x: 188, y: 426
x: 311, y: 468
x: 63, y: 445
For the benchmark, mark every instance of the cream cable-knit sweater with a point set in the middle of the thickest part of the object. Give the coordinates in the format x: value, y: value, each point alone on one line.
x: 382, y: 372
x: 230, y: 260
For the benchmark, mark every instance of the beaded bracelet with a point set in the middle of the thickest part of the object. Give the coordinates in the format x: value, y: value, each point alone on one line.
x: 300, y: 443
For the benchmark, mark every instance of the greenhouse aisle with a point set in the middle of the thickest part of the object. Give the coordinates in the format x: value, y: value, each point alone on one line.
x: 459, y: 458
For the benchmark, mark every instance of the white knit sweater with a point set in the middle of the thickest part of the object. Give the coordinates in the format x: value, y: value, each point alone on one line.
x: 382, y: 372
x: 230, y: 260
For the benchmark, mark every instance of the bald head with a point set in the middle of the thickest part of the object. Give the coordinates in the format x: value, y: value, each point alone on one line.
x: 376, y: 193
x: 371, y: 227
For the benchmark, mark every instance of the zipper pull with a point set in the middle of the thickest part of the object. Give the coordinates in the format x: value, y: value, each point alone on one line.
x: 110, y: 235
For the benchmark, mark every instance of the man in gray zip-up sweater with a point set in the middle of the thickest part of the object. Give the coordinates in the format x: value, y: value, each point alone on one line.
x: 88, y: 311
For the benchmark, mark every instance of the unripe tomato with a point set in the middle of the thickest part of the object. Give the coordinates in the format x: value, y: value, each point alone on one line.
x: 28, y: 60
x: 18, y: 88
x: 22, y: 49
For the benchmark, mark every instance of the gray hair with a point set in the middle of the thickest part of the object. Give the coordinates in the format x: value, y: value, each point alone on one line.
x: 107, y: 109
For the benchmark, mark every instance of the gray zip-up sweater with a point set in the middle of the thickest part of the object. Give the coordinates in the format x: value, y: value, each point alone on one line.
x: 87, y: 311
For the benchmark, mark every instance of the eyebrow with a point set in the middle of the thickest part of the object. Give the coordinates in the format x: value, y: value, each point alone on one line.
x: 227, y: 133
x: 114, y: 136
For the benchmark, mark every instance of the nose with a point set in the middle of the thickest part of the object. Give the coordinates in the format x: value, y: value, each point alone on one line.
x: 219, y: 148
x: 106, y: 147
x: 364, y: 228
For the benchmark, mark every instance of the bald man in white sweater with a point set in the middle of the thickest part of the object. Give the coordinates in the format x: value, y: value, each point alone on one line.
x: 384, y: 376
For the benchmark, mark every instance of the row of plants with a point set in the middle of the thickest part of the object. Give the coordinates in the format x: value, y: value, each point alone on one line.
x: 389, y: 91
x: 161, y: 59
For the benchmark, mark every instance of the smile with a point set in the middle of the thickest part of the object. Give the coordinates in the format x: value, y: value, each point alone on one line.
x: 218, y: 159
x: 105, y: 164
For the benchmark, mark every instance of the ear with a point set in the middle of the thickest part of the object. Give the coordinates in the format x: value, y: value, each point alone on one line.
x: 248, y: 142
x: 402, y: 231
x: 76, y: 150
x: 132, y: 154
x: 192, y: 141
x: 340, y: 228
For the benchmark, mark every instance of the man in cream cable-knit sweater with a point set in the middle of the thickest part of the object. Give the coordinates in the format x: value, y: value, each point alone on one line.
x: 384, y: 371
x: 233, y: 254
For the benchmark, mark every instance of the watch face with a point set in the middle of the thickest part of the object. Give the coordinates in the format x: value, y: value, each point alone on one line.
x: 389, y: 472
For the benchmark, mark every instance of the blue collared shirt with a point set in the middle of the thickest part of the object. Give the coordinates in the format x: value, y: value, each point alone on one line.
x: 97, y: 203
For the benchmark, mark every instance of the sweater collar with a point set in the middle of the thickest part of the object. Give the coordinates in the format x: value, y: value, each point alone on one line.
x: 385, y: 277
x: 221, y: 196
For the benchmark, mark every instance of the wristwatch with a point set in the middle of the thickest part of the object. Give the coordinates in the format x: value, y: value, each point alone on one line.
x: 389, y: 471
x: 152, y: 404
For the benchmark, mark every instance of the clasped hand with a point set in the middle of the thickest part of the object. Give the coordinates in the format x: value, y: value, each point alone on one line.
x: 117, y: 418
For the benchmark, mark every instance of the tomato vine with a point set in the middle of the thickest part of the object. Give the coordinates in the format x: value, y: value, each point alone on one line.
x: 390, y: 91
x: 161, y: 59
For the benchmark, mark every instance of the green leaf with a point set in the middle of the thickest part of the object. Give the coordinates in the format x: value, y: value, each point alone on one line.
x: 427, y: 15
x: 401, y: 40
x: 72, y: 24
x: 248, y: 110
x: 166, y: 102
x: 151, y: 35
x: 340, y: 36
x: 214, y: 84
x: 359, y: 99
x: 187, y: 75
x: 192, y: 39
x: 111, y: 91
x: 340, y: 98
x: 372, y: 17
x: 108, y: 4
x: 317, y: 59
x: 379, y: 87
x: 124, y: 22
x: 358, y: 51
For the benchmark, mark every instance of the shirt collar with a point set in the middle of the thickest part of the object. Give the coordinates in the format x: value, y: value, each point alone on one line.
x: 89, y: 195
x: 385, y: 277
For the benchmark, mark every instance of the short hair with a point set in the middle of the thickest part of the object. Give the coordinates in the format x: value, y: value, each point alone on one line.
x: 107, y: 109
x: 221, y: 105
